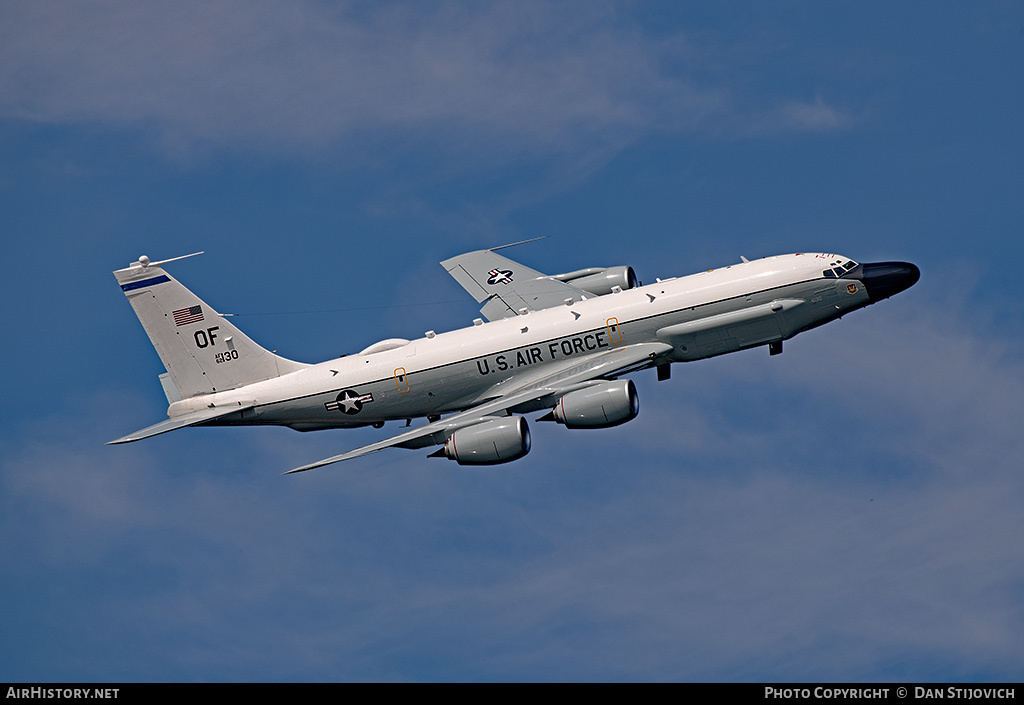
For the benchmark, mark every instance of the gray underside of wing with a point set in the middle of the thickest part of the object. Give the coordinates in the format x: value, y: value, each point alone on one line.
x: 553, y: 385
x: 505, y: 287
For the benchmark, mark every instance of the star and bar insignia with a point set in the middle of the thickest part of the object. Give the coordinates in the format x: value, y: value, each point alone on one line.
x: 349, y: 402
x: 502, y: 276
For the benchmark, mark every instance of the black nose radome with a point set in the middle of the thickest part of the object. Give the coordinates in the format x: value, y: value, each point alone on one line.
x: 883, y: 279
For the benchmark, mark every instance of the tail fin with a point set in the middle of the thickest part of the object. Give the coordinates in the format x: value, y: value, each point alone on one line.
x: 202, y: 351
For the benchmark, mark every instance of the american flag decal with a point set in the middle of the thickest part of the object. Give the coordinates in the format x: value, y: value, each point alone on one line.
x: 184, y: 316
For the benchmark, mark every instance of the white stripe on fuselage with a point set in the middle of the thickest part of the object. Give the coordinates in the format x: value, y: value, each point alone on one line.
x: 545, y: 329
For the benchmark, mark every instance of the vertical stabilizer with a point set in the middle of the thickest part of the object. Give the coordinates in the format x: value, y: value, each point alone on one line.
x: 202, y: 351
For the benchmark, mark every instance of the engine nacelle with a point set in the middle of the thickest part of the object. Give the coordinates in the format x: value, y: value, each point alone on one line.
x: 600, y: 281
x: 598, y: 406
x: 489, y: 443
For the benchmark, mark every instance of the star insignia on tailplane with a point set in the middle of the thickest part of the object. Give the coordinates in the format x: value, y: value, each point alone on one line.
x: 502, y: 276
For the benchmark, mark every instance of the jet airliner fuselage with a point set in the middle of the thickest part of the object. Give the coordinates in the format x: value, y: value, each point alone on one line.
x: 563, y: 351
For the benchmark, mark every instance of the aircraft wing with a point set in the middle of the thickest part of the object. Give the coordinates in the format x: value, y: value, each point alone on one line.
x: 507, y: 286
x: 176, y: 422
x: 551, y: 386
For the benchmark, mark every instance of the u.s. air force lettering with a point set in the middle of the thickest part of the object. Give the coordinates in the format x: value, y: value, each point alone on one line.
x: 555, y: 350
x: 349, y: 401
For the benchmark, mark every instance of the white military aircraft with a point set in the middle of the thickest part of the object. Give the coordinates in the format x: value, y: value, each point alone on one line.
x: 557, y: 343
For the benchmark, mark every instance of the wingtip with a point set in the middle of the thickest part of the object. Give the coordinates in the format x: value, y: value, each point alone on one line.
x: 317, y: 464
x: 304, y: 468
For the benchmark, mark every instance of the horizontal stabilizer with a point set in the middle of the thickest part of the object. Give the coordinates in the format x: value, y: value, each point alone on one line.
x: 176, y: 422
x: 506, y: 287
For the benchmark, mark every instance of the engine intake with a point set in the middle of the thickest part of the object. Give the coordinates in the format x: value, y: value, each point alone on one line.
x: 598, y: 406
x: 488, y: 443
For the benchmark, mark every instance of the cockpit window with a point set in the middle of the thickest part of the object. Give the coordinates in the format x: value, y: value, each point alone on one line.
x: 839, y: 269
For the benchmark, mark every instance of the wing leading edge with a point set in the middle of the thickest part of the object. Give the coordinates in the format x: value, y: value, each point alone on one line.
x: 547, y: 388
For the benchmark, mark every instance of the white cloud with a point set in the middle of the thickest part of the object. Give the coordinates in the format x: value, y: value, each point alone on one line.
x: 521, y: 77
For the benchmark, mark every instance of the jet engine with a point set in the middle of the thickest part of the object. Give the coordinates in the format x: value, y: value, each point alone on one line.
x: 597, y: 406
x: 600, y: 280
x: 488, y: 443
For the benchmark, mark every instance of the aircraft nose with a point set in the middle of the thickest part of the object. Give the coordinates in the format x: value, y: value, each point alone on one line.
x: 883, y: 279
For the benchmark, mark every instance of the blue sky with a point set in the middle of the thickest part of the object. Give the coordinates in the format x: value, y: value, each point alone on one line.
x: 850, y: 510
